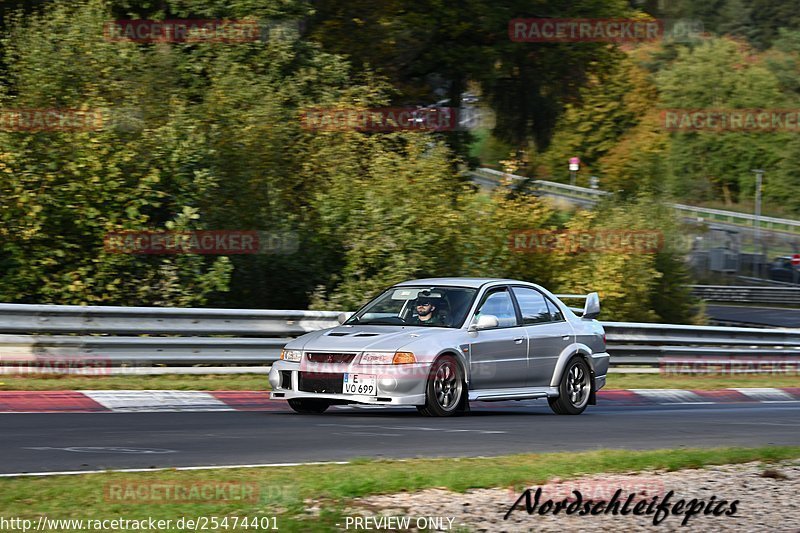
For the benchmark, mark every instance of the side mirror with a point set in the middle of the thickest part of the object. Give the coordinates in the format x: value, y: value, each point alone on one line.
x: 342, y: 317
x: 592, y: 307
x: 485, y: 322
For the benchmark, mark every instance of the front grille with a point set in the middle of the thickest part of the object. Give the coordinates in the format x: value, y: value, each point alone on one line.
x: 318, y: 382
x: 324, y: 357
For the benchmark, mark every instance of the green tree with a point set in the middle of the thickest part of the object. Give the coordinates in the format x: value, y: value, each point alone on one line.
x: 634, y: 285
x: 720, y: 74
x: 769, y: 17
x: 429, y: 49
x: 396, y: 217
x: 63, y: 191
x: 609, y: 106
x: 210, y: 140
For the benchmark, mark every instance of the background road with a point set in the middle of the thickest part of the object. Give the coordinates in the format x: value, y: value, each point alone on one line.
x: 762, y: 316
x: 37, y: 442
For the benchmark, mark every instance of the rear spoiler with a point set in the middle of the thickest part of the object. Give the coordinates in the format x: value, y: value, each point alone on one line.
x: 591, y: 307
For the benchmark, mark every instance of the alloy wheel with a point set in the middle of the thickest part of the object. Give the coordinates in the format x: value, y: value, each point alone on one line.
x: 578, y: 385
x: 447, y: 386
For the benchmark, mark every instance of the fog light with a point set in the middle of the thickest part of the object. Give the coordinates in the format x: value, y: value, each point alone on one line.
x: 275, y: 379
x: 387, y: 384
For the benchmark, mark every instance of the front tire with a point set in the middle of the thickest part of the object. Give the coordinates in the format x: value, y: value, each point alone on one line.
x: 445, y: 392
x: 574, y: 390
x: 306, y: 406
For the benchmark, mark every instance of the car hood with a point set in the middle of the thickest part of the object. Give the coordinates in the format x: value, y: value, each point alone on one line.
x: 363, y: 338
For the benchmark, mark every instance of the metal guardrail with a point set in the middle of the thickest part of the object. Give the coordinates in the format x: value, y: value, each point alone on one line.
x: 588, y: 196
x: 102, y: 352
x: 582, y: 195
x: 763, y: 282
x: 24, y: 318
x: 649, y: 344
x: 123, y: 336
x: 744, y: 294
x: 739, y: 219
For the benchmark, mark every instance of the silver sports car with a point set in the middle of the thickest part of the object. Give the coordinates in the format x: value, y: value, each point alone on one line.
x: 440, y: 343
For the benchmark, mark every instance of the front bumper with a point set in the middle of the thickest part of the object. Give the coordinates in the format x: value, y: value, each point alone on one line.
x: 396, y: 384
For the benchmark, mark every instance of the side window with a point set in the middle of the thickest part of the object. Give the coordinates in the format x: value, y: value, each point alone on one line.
x: 536, y: 309
x: 533, y: 306
x: 499, y: 304
x: 555, y: 313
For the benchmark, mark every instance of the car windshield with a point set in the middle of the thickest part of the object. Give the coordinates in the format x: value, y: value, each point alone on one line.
x: 417, y: 306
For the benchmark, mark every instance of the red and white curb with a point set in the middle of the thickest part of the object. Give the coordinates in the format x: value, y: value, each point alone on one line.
x: 127, y: 401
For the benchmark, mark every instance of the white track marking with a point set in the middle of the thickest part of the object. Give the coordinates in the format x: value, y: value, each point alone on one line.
x: 767, y: 395
x: 412, y: 428
x: 157, y: 400
x: 135, y: 470
x: 672, y: 396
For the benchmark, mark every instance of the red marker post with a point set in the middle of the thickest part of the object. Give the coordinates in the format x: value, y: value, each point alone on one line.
x: 795, y: 265
x: 574, y: 166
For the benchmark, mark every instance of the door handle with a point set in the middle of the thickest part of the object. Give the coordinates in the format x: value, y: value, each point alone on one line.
x: 518, y: 340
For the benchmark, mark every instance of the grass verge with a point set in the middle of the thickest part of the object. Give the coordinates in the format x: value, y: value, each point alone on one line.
x: 285, y: 492
x: 259, y: 382
x: 659, y: 381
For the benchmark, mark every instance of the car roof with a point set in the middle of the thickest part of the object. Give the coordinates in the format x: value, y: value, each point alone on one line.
x: 458, y: 282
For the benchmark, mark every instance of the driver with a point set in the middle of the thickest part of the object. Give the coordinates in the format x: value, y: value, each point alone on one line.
x: 427, y: 314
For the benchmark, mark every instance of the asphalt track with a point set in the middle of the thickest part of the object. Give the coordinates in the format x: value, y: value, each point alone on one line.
x: 97, y: 441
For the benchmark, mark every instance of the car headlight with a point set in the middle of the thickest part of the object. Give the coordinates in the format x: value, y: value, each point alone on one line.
x: 387, y: 358
x: 291, y: 355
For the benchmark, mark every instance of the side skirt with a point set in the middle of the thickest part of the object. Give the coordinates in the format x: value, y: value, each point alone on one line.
x: 524, y: 393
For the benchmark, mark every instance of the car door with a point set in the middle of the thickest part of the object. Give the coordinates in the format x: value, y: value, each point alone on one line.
x: 548, y: 334
x: 498, y: 357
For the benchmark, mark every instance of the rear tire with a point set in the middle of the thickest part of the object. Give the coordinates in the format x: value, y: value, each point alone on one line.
x: 574, y: 390
x: 445, y: 392
x: 306, y: 406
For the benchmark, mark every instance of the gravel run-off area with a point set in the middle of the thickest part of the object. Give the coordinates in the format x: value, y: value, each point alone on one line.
x: 768, y: 500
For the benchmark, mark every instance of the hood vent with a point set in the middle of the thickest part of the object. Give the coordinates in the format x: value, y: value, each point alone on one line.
x: 350, y: 334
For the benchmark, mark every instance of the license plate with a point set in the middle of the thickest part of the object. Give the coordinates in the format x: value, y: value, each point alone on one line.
x: 360, y: 384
